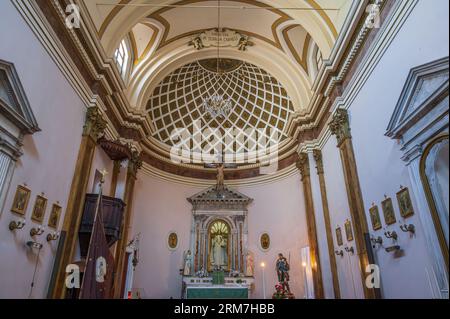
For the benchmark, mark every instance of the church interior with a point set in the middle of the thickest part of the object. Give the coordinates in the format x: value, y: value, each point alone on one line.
x: 224, y: 149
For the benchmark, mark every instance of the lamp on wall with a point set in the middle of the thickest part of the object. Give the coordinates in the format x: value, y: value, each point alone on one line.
x: 53, y: 236
x: 20, y: 224
x: 37, y: 231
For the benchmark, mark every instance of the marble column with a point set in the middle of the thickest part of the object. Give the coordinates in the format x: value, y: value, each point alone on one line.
x: 340, y: 127
x: 304, y: 167
x: 93, y: 130
x: 134, y: 164
x: 327, y: 220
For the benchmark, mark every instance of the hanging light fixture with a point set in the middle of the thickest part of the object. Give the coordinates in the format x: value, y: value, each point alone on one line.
x: 218, y: 105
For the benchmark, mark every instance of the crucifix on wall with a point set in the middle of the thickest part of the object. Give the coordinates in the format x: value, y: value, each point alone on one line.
x: 221, y: 166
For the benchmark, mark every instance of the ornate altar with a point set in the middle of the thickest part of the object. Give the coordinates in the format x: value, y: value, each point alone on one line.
x: 219, y: 237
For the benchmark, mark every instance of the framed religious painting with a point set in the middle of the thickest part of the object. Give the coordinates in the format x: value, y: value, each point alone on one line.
x: 264, y: 241
x: 375, y: 217
x: 349, y: 231
x: 40, y: 205
x: 21, y: 200
x: 54, y: 216
x: 405, y: 203
x: 172, y: 241
x: 388, y: 211
x: 339, y: 238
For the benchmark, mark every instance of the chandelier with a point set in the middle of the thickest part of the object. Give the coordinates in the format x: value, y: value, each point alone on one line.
x: 217, y: 105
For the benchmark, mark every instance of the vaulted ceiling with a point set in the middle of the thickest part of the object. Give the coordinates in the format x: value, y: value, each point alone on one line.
x: 275, y: 85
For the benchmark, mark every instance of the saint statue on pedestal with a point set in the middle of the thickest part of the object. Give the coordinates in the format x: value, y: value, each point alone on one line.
x: 283, y: 268
x: 250, y: 271
x: 187, y: 263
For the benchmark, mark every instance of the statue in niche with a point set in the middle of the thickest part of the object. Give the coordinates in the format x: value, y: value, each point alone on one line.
x: 187, y: 263
x: 218, y: 254
x: 250, y: 271
x: 219, y: 251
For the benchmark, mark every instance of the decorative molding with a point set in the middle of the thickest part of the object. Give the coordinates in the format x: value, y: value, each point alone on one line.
x: 223, y: 38
x: 116, y: 151
x: 14, y: 103
x: 340, y: 126
x: 319, y: 161
x: 95, y: 124
x: 134, y: 163
x: 303, y: 165
x: 426, y: 86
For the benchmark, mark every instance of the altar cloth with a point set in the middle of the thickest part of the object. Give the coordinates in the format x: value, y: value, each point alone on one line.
x: 217, y: 292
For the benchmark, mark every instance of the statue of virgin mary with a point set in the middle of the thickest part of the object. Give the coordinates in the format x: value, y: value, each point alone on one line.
x: 219, y: 251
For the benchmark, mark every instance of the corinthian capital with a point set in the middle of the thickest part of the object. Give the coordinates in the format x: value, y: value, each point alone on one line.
x: 303, y: 165
x: 319, y: 161
x: 95, y: 124
x: 134, y: 163
x: 340, y: 126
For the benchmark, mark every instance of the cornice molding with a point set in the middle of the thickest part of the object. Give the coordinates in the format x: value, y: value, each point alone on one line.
x: 394, y: 16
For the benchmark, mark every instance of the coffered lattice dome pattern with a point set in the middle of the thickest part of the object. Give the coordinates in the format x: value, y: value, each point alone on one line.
x: 259, y: 100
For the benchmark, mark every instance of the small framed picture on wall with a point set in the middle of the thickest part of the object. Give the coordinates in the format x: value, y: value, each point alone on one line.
x: 339, y: 238
x: 54, y: 216
x: 349, y: 231
x: 405, y: 203
x: 264, y: 241
x: 21, y: 200
x: 388, y: 211
x: 40, y: 205
x: 375, y: 217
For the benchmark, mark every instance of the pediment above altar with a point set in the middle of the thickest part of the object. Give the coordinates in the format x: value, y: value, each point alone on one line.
x: 217, y: 195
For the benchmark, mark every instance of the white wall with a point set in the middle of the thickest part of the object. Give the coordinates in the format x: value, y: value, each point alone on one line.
x: 161, y: 207
x: 49, y: 156
x: 423, y: 38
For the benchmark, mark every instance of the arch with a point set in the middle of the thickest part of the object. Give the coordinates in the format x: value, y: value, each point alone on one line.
x: 317, y: 23
x: 222, y: 222
x: 433, y: 205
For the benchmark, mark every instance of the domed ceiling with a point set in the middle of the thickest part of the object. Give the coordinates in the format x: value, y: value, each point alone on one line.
x: 277, y: 83
x: 259, y: 100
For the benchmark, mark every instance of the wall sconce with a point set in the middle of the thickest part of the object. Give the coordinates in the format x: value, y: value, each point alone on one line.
x: 34, y: 245
x: 377, y: 241
x: 53, y: 236
x: 392, y: 235
x: 408, y: 229
x: 350, y: 250
x: 20, y: 224
x: 339, y: 253
x: 37, y: 231
x: 393, y: 249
